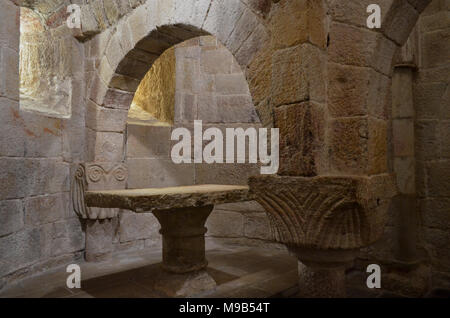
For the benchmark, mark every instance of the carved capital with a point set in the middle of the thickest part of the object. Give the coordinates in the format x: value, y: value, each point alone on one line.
x: 325, y: 212
x: 97, y: 176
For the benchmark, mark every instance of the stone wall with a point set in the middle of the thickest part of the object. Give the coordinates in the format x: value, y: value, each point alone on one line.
x: 432, y: 132
x: 38, y: 228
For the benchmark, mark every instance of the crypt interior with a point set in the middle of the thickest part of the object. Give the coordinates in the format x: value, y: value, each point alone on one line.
x: 87, y: 178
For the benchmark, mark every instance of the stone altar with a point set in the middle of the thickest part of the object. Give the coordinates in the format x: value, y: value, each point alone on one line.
x: 182, y: 213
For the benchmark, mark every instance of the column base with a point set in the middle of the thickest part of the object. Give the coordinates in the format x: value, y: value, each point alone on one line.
x: 321, y: 273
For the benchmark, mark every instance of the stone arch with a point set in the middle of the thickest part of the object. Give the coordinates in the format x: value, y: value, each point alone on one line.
x: 140, y: 38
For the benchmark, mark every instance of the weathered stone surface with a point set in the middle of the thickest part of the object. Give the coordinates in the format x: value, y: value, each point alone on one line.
x: 145, y: 200
x: 148, y: 141
x: 12, y: 131
x: 405, y: 171
x: 67, y: 237
x: 144, y: 173
x: 99, y: 239
x: 328, y: 203
x: 256, y: 226
x: 439, y: 178
x: 105, y: 119
x: 426, y: 134
x: 403, y: 137
x: 436, y: 48
x: 106, y: 146
x: 297, y: 75
x: 226, y: 174
x: 302, y: 129
x: 46, y: 209
x: 225, y: 224
x: 435, y: 213
x: 138, y: 226
x: 19, y: 250
x: 358, y: 145
x: 11, y: 214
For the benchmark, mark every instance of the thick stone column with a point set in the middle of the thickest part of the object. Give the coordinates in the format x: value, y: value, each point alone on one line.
x: 183, y: 231
x: 324, y: 221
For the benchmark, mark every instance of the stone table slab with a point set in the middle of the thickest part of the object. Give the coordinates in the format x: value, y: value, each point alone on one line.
x: 147, y: 200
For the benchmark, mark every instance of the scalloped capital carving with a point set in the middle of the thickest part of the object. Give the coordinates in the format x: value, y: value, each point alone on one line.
x: 325, y: 212
x: 97, y: 176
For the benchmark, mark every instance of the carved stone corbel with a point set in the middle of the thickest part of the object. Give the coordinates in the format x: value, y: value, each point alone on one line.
x: 100, y: 223
x: 324, y: 221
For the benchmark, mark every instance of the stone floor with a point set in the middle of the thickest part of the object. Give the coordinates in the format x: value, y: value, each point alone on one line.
x: 240, y: 272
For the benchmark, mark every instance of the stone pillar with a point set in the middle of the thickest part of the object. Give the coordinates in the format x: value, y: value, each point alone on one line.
x: 183, y: 231
x: 403, y: 137
x: 100, y: 223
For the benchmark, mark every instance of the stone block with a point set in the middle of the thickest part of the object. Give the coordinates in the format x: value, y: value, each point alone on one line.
x: 243, y: 207
x: 438, y: 240
x: 436, y: 213
x: 348, y: 145
x: 185, y: 107
x: 68, y: 237
x: 148, y: 173
x: 256, y: 226
x: 445, y: 139
x: 222, y: 17
x: 9, y: 85
x: 298, y: 75
x: 399, y: 21
x: 107, y: 146
x: 138, y: 226
x: 234, y: 108
x: 236, y: 174
x: 19, y: 250
x: 439, y: 178
x: 257, y: 40
x: 105, y: 119
x: 354, y: 12
x: 350, y: 45
x: 225, y: 224
x: 439, y: 21
x: 428, y: 100
x: 289, y: 23
x: 46, y: 209
x: 44, y: 135
x: 404, y: 169
x: 229, y: 84
x: 11, y: 214
x: 403, y: 137
x: 302, y: 131
x: 259, y: 76
x: 436, y: 47
x: 12, y: 130
x: 243, y: 28
x: 347, y: 89
x: 46, y: 176
x: 148, y: 141
x: 427, y: 142
x: 377, y: 146
x: 10, y: 32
